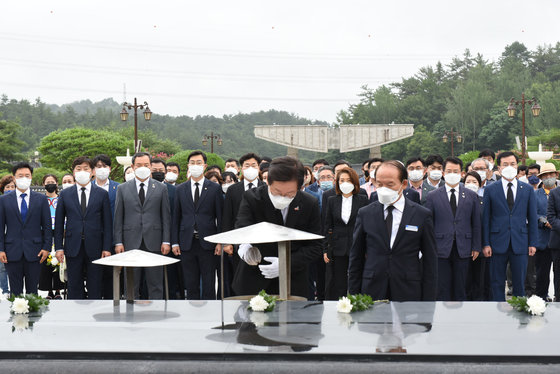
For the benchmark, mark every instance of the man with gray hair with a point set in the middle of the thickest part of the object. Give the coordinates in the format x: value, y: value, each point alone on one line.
x: 482, y: 167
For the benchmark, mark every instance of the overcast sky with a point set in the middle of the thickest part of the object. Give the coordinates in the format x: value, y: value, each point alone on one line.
x: 229, y: 56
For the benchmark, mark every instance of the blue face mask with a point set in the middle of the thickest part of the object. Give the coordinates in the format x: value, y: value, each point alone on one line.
x: 326, y: 185
x: 533, y: 179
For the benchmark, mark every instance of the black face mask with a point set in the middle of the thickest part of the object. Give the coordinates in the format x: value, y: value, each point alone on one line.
x: 366, y: 174
x: 51, y: 187
x: 158, y: 175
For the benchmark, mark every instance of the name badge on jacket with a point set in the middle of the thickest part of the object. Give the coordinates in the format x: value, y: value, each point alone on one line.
x: 411, y: 228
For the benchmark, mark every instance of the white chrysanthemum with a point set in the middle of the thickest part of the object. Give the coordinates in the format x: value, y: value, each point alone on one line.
x: 20, y: 306
x: 20, y: 322
x: 536, y: 305
x: 344, y: 305
x: 54, y: 261
x: 258, y: 303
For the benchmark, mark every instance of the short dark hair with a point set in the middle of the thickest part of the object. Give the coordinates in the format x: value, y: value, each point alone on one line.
x: 365, y: 162
x: 403, y: 174
x: 475, y: 175
x: 197, y: 153
x: 249, y: 156
x: 172, y: 163
x: 141, y: 154
x: 49, y: 175
x: 226, y: 174
x: 214, y: 167
x: 342, y: 162
x: 103, y: 158
x: 319, y: 161
x: 6, y: 179
x: 505, y: 154
x: 285, y: 169
x: 72, y: 175
x: 467, y: 166
x: 453, y: 160
x: 525, y: 168
x: 211, y: 173
x: 22, y: 165
x: 375, y: 159
x: 415, y: 159
x: 432, y: 159
x: 158, y: 160
x: 487, y: 152
x: 82, y: 160
x: 264, y: 165
x: 266, y: 158
x: 125, y: 170
x: 533, y: 166
x: 232, y: 160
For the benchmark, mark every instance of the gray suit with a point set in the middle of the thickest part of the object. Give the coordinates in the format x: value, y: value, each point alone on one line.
x: 145, y: 227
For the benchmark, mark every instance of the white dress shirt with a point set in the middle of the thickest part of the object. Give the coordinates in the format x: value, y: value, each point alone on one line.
x: 514, y: 187
x: 105, y: 186
x: 87, y: 191
x: 346, y: 209
x: 18, y: 193
x: 246, y: 183
x: 193, y: 187
x: 397, y: 217
x: 146, y: 183
x: 448, y: 190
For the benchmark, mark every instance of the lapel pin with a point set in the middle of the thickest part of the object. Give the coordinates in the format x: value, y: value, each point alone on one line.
x: 296, y: 208
x: 153, y: 186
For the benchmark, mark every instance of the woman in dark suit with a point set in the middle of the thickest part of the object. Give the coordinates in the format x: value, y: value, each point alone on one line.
x: 341, y: 213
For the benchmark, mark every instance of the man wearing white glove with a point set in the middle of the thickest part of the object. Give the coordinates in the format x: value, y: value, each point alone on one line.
x: 283, y: 203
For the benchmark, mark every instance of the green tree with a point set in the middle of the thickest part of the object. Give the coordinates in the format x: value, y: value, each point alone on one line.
x: 10, y: 143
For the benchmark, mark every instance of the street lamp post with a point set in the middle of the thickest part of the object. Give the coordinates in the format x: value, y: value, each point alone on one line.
x: 535, y: 109
x: 135, y: 106
x: 211, y: 137
x: 453, y: 135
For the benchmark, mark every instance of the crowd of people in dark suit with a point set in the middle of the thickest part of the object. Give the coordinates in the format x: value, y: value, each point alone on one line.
x: 428, y: 229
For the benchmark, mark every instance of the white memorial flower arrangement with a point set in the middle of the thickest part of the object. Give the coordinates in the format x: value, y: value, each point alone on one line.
x: 24, y: 304
x: 263, y: 302
x: 355, y: 303
x: 533, y: 305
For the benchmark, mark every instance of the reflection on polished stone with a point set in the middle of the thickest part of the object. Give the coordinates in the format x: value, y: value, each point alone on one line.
x: 193, y: 327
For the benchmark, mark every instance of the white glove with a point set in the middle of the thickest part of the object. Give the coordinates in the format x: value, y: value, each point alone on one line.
x: 270, y: 271
x: 251, y: 255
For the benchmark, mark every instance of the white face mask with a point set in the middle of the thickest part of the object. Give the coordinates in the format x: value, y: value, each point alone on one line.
x: 346, y: 187
x: 225, y: 186
x: 280, y: 202
x: 171, y: 177
x: 66, y: 185
x: 387, y: 196
x: 435, y: 175
x: 316, y: 174
x: 482, y: 174
x: 509, y: 172
x: 524, y: 179
x: 142, y: 172
x: 452, y: 179
x: 416, y: 175
x: 250, y: 174
x: 196, y: 170
x: 129, y: 177
x: 490, y: 165
x: 102, y: 173
x: 82, y: 177
x: 471, y: 186
x: 232, y: 170
x: 23, y: 183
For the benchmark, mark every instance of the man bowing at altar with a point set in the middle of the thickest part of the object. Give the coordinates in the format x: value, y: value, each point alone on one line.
x: 283, y: 203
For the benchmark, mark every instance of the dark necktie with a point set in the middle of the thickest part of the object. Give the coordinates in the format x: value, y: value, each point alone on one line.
x: 453, y: 202
x: 196, y: 194
x: 142, y: 194
x: 510, y: 200
x: 83, y: 201
x: 23, y: 209
x: 249, y: 186
x: 389, y: 221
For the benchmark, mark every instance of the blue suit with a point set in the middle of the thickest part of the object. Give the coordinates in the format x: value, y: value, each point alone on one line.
x: 22, y: 241
x: 316, y: 191
x: 509, y: 234
x: 197, y: 255
x: 543, y: 256
x: 84, y: 238
x: 456, y: 237
x: 112, y: 194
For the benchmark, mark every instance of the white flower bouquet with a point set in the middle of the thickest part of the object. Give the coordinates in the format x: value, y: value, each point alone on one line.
x: 533, y: 305
x: 263, y: 302
x: 355, y: 303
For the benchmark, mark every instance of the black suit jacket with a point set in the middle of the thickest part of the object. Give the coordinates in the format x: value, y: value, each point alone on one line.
x: 303, y: 214
x: 338, y: 235
x: 408, y: 192
x: 553, y: 217
x: 232, y: 202
x: 330, y: 193
x: 374, y: 266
